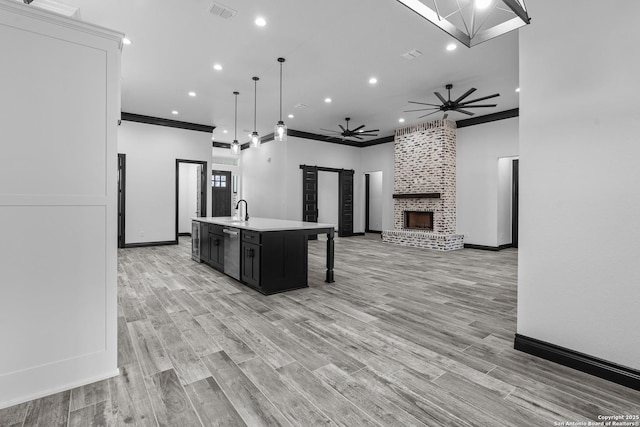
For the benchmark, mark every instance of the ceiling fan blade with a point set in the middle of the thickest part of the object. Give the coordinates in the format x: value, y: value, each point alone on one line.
x: 421, y: 109
x: 429, y: 114
x: 343, y: 129
x: 469, y: 113
x: 463, y: 96
x: 371, y: 130
x: 480, y: 99
x: 483, y: 105
x: 357, y: 137
x: 440, y: 97
x: 422, y: 103
x: 358, y: 128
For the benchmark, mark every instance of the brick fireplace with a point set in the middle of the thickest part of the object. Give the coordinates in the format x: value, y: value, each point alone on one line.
x: 425, y: 182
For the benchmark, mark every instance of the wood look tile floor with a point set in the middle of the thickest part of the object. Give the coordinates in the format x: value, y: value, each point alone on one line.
x: 404, y: 337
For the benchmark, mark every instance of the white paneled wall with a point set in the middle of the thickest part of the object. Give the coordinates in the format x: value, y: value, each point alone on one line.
x: 59, y: 82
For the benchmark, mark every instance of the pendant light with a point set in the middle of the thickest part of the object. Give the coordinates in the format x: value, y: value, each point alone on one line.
x: 280, y: 132
x: 235, y: 145
x: 255, y: 138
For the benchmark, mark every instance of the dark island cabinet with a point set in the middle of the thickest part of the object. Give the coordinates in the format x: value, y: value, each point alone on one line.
x: 270, y: 261
x: 212, y: 245
x: 250, y: 264
x: 274, y: 261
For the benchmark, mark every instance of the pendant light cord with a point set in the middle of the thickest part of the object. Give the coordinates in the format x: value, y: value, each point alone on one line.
x: 255, y: 101
x: 235, y: 123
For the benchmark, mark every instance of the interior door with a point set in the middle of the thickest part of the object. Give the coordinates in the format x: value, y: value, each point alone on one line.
x: 345, y: 202
x: 367, y: 200
x: 121, y: 198
x: 201, y: 189
x: 221, y: 193
x: 514, y: 201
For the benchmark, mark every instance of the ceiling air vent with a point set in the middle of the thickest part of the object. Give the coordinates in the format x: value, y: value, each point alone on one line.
x: 222, y: 11
x: 411, y: 54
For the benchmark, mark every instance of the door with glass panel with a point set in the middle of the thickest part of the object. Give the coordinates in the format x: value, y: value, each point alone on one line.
x: 221, y: 193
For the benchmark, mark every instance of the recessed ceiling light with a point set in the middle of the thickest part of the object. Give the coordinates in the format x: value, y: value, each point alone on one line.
x: 217, y: 67
x: 192, y: 93
x: 327, y: 100
x: 126, y: 41
x: 225, y: 131
x: 213, y: 137
x: 401, y: 120
x: 260, y: 21
x: 518, y: 89
x: 174, y: 112
x: 290, y: 116
x: 482, y: 4
x: 373, y: 80
x: 451, y: 46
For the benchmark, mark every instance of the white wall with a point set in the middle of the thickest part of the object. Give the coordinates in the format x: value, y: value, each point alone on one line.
x: 188, y: 195
x: 151, y: 168
x: 375, y: 200
x: 380, y: 158
x: 578, y: 271
x: 263, y: 176
x: 272, y: 178
x: 478, y: 149
x: 59, y: 82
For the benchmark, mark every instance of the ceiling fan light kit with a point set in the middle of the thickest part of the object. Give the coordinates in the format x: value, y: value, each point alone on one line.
x: 280, y: 131
x: 472, y: 22
x: 458, y: 105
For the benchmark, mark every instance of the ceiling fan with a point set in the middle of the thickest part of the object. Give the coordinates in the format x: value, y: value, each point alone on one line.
x: 357, y: 133
x: 455, y: 105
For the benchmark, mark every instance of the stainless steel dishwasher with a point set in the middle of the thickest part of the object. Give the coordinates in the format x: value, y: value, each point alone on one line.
x: 232, y: 252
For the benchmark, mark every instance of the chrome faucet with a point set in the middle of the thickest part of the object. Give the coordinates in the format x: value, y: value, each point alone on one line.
x: 246, y: 208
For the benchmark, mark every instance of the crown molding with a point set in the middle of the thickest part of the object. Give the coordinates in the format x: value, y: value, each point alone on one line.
x: 150, y: 120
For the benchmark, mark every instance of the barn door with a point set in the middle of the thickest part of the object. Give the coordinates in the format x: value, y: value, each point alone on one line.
x: 345, y: 203
x: 310, y: 195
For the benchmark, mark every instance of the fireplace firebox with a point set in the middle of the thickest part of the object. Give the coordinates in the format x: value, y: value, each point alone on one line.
x: 414, y: 220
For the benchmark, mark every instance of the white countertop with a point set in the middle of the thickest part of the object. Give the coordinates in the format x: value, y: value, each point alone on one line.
x: 263, y: 224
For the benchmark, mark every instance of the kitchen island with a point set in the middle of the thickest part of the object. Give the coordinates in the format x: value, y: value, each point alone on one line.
x: 269, y: 255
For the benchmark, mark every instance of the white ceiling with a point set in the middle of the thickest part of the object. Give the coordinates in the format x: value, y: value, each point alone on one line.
x: 332, y: 48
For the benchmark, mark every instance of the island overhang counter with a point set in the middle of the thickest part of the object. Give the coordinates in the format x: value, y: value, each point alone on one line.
x: 270, y: 255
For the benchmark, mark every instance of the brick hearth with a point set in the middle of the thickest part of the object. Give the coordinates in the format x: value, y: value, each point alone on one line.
x: 425, y: 162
